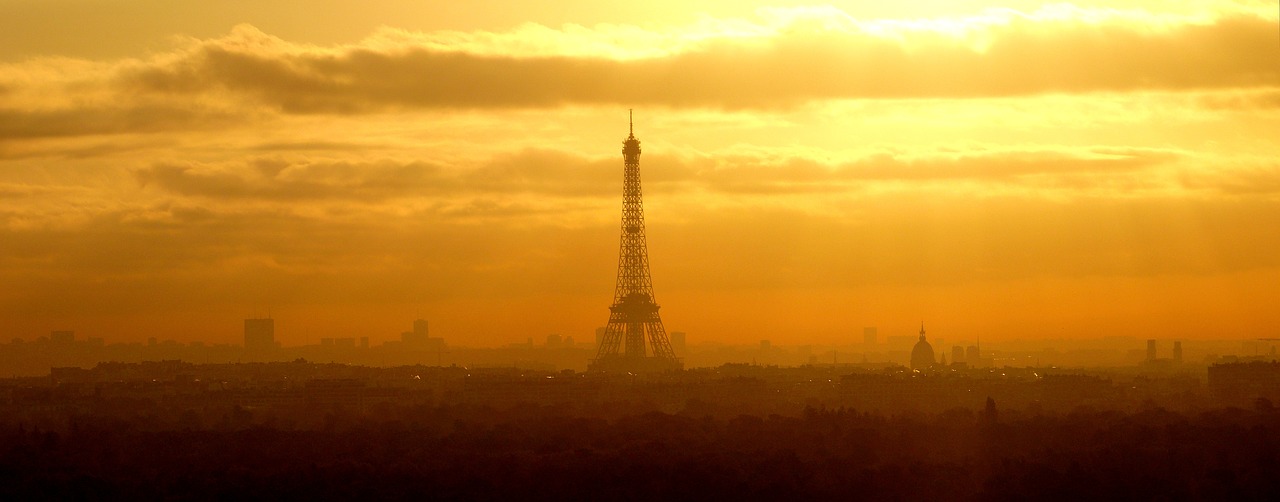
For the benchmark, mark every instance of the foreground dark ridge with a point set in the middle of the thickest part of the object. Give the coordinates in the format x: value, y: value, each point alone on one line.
x: 567, y: 452
x: 331, y: 431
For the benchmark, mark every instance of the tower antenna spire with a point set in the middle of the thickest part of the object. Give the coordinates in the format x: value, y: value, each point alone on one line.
x: 631, y: 124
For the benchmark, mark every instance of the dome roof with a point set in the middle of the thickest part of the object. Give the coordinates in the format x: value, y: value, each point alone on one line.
x: 922, y: 354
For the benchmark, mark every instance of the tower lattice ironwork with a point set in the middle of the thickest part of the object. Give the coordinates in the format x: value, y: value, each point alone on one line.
x: 634, y: 339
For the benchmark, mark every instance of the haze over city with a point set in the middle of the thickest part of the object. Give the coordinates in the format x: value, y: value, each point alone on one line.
x: 1019, y: 170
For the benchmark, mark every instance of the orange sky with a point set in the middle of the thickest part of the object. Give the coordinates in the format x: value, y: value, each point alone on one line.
x: 998, y: 170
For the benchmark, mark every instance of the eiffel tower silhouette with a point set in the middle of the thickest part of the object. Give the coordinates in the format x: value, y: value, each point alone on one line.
x: 634, y: 340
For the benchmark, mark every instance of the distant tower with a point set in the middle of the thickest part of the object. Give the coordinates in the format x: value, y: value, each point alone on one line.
x: 634, y: 339
x: 922, y: 353
x: 1177, y: 352
x: 416, y: 339
x: 259, y: 334
x: 1151, y: 350
x: 679, y: 342
x: 868, y: 337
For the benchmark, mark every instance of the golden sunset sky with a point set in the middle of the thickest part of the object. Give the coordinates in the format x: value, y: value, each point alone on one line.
x: 1012, y: 170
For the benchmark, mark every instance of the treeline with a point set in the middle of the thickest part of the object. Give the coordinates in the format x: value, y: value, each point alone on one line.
x: 627, y: 452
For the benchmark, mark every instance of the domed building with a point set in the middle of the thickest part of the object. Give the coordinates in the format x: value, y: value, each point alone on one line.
x: 922, y: 353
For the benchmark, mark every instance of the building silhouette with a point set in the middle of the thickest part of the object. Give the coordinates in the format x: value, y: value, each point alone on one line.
x: 634, y: 340
x: 260, y: 335
x: 679, y: 343
x: 922, y: 354
x: 1151, y: 350
x: 420, y: 338
x: 869, y: 336
x: 973, y: 356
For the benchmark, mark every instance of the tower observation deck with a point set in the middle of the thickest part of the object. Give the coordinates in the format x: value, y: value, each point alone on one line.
x: 634, y: 340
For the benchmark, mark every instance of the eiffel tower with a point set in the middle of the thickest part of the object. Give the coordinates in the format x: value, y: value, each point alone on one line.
x: 634, y: 340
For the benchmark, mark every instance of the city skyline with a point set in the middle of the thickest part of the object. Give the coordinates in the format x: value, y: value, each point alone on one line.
x: 812, y: 169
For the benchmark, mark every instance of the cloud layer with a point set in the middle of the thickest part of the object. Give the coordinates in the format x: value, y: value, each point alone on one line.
x: 805, y: 56
x: 794, y: 66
